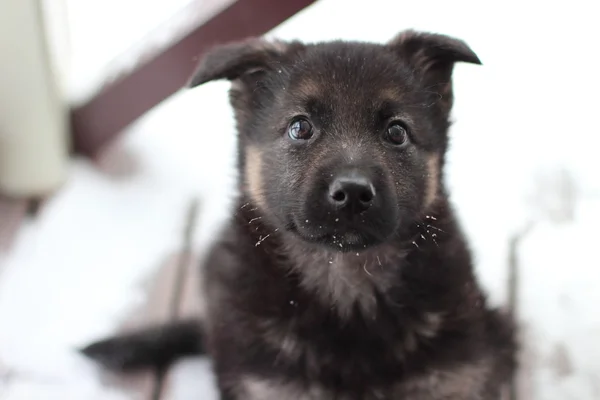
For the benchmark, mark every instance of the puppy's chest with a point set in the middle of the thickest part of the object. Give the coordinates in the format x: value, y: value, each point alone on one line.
x: 464, y: 382
x: 303, y: 371
x: 336, y: 337
x: 319, y: 358
x: 367, y: 357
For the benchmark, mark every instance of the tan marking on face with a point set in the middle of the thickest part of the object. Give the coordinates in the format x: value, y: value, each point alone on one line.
x: 253, y: 171
x: 433, y: 179
x: 391, y: 94
x: 308, y: 88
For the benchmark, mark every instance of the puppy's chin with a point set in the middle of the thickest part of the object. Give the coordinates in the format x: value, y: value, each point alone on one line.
x: 351, y: 241
x: 343, y: 241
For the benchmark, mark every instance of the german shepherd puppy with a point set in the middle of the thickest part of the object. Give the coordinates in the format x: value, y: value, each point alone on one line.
x: 343, y: 273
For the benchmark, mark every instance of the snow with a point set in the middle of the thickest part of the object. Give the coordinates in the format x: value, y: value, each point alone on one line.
x: 558, y: 307
x: 525, y: 127
x: 78, y: 270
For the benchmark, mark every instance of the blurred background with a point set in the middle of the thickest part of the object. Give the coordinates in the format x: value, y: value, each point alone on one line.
x: 114, y: 180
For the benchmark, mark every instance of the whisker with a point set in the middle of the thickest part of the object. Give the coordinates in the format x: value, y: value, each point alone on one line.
x: 365, y: 268
x: 261, y: 239
x: 437, y: 229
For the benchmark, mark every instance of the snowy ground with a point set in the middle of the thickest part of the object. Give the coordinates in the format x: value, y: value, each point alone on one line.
x: 523, y: 151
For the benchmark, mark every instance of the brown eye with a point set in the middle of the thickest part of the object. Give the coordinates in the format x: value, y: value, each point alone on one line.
x: 396, y: 134
x: 300, y: 129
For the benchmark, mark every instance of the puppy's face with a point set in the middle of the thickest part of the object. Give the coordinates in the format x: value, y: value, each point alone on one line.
x: 342, y: 143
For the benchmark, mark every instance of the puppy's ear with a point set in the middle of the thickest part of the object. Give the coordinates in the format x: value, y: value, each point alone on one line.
x: 433, y: 56
x: 233, y: 60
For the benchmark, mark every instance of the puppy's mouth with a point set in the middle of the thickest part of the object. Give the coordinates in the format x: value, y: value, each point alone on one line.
x: 342, y: 239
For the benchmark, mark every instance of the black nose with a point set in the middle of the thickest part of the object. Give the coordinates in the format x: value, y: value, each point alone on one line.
x: 352, y: 191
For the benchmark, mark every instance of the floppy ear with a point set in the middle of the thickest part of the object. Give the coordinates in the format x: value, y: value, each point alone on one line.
x: 433, y: 57
x: 233, y: 60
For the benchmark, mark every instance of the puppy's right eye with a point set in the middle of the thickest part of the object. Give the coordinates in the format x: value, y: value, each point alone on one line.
x: 397, y: 134
x: 300, y: 129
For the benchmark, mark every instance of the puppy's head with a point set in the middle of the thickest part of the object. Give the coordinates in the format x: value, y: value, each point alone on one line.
x: 341, y: 143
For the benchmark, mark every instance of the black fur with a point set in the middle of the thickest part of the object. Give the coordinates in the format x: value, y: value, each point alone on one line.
x: 156, y: 346
x: 308, y: 299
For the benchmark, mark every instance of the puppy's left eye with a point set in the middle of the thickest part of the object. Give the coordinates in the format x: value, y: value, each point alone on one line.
x: 300, y: 129
x: 396, y: 134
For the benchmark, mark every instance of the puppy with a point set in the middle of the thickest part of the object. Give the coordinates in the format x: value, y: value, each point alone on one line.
x: 343, y: 273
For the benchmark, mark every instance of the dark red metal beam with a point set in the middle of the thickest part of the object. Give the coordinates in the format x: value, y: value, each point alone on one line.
x: 97, y: 122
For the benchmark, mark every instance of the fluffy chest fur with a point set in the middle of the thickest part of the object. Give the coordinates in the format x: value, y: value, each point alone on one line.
x: 467, y: 382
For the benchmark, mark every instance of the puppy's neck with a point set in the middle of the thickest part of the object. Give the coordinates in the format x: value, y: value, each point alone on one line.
x: 347, y: 282
x: 358, y: 281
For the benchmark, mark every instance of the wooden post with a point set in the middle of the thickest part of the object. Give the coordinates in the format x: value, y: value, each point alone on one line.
x: 33, y: 116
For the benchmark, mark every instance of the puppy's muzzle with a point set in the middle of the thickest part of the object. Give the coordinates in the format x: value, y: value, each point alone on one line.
x: 348, y: 207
